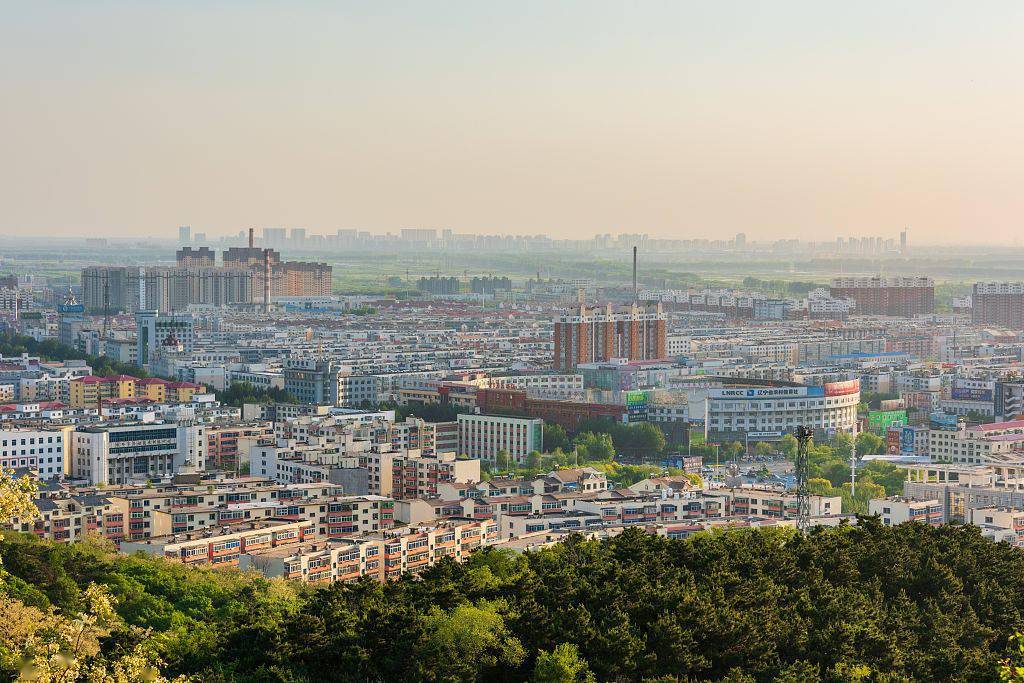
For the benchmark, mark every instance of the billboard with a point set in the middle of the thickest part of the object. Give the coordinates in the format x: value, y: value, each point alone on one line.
x: 879, y: 420
x: 850, y: 386
x: 636, y: 406
x: 907, y: 438
x: 970, y: 394
x: 767, y: 392
x: 892, y: 441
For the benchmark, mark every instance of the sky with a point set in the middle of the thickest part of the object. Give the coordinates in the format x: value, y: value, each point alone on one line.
x: 785, y: 119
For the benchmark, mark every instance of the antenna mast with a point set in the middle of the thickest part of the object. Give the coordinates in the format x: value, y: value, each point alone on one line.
x: 803, y: 439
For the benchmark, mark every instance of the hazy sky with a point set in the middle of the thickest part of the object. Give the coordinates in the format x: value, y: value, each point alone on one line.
x: 681, y: 119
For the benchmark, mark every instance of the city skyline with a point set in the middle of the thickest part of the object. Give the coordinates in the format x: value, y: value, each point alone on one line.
x: 678, y: 121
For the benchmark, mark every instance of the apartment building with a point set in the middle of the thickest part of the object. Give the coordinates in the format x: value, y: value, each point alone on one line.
x: 975, y: 445
x: 418, y: 476
x: 1000, y: 524
x: 70, y: 518
x: 379, y: 556
x: 771, y: 503
x: 897, y: 510
x: 89, y: 391
x: 223, y: 546
x: 904, y: 297
x: 43, y: 451
x: 600, y: 334
x: 225, y: 444
x: 999, y: 304
x: 961, y: 488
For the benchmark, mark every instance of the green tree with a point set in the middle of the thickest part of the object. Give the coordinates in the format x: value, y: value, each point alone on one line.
x: 842, y: 445
x: 561, y: 665
x: 763, y: 449
x: 594, y: 447
x: 533, y: 460
x: 502, y: 461
x: 555, y: 437
x: 461, y: 641
x: 788, y: 446
x: 868, y: 443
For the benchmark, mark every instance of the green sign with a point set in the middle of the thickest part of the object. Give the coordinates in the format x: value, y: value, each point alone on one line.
x: 636, y: 398
x: 879, y: 420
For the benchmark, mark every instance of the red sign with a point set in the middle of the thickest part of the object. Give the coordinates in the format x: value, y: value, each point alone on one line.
x: 850, y: 386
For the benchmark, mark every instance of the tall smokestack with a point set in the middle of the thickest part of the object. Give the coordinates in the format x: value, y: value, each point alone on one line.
x: 635, y: 295
x: 251, y: 239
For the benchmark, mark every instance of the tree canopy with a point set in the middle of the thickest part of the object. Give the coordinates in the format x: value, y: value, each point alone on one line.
x: 864, y: 602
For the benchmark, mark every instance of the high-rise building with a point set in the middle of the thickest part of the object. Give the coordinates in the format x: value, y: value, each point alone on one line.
x: 110, y: 289
x: 153, y: 328
x: 438, y: 285
x: 999, y: 304
x: 287, y: 278
x: 275, y: 236
x: 201, y: 256
x: 902, y: 297
x: 185, y: 234
x: 741, y: 240
x: 600, y: 334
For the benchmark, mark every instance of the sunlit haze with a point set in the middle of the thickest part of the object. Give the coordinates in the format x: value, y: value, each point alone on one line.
x: 789, y: 119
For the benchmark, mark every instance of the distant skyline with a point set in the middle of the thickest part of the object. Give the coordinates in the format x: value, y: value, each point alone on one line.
x: 684, y: 120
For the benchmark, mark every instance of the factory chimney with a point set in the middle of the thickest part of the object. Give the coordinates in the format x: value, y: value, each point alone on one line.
x: 251, y: 239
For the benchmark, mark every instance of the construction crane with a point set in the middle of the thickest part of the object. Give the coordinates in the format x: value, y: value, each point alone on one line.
x: 803, y: 439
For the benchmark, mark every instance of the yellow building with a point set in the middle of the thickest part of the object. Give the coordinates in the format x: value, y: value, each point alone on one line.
x: 86, y: 392
x: 152, y: 388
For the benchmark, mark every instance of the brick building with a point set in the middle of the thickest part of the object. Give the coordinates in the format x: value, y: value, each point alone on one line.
x: 901, y: 297
x: 600, y: 334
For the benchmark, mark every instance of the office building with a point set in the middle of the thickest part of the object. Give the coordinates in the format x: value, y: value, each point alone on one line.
x: 768, y: 411
x: 121, y: 454
x: 600, y: 334
x: 482, y: 436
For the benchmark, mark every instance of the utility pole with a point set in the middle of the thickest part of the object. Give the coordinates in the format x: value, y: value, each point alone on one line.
x: 853, y: 470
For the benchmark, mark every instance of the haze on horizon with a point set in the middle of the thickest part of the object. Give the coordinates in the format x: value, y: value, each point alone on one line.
x: 797, y: 119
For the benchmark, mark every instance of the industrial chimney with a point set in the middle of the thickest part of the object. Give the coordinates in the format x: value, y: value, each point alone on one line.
x: 251, y: 238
